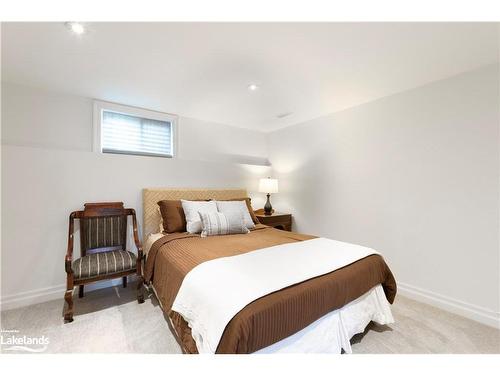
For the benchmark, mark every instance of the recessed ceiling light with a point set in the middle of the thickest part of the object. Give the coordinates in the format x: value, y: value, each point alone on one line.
x: 253, y: 87
x: 76, y: 27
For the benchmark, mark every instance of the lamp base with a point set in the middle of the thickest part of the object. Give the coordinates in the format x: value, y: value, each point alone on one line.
x: 268, y: 209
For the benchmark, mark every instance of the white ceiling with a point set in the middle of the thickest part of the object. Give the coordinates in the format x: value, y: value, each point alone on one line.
x: 202, y: 70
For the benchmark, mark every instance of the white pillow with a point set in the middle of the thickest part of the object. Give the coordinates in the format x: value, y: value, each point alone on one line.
x: 152, y: 238
x: 217, y: 223
x: 191, y: 209
x: 160, y: 227
x: 239, y: 207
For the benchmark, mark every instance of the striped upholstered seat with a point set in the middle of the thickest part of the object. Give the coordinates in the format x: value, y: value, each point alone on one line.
x: 105, y: 263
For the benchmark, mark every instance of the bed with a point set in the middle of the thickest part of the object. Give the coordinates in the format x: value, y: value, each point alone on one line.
x: 309, y: 314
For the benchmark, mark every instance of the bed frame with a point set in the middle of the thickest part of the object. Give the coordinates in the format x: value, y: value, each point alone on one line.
x: 150, y: 197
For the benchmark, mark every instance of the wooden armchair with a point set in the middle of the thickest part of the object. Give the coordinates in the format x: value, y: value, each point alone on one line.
x: 103, y: 241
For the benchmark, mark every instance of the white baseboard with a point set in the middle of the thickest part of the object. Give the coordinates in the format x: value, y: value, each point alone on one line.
x: 33, y: 297
x: 474, y: 312
x: 468, y: 310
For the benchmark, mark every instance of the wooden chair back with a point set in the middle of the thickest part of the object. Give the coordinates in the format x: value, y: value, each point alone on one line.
x: 103, y: 227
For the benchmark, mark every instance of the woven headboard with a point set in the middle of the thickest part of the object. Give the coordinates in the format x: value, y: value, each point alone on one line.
x: 150, y: 197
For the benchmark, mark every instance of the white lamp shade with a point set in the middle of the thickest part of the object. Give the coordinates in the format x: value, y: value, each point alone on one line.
x: 268, y: 185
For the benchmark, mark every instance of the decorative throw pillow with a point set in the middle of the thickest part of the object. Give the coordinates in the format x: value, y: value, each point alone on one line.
x: 249, y: 206
x: 191, y: 211
x: 217, y: 223
x: 172, y: 214
x: 248, y: 201
x: 236, y: 207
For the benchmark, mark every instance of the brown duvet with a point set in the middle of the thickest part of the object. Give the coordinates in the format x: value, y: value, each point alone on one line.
x: 275, y: 316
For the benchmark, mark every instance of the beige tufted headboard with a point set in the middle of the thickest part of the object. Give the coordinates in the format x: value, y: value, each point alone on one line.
x: 150, y: 197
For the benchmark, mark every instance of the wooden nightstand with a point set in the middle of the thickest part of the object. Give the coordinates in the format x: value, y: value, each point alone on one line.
x: 276, y: 220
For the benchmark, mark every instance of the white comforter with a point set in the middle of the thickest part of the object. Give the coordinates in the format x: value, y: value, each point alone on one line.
x: 208, y: 303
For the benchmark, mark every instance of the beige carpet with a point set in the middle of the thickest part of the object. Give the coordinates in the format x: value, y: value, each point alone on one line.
x: 110, y: 320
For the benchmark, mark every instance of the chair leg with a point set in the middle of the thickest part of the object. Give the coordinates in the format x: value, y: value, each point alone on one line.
x: 80, y: 291
x: 140, y: 290
x: 68, y: 314
x: 124, y: 281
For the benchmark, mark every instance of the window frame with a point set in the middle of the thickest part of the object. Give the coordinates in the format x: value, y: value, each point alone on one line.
x: 100, y: 106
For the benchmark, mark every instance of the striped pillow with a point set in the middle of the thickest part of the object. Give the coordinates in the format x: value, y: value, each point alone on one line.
x: 216, y: 223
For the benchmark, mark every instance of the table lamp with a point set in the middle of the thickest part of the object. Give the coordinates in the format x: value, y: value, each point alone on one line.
x: 268, y: 186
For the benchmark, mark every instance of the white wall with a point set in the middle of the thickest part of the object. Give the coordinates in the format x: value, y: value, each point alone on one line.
x: 38, y: 118
x: 414, y: 175
x: 49, y: 170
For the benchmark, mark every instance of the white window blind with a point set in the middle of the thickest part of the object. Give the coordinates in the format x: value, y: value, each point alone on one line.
x: 128, y: 134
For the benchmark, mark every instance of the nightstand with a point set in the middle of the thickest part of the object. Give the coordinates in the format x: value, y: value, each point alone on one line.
x: 276, y: 220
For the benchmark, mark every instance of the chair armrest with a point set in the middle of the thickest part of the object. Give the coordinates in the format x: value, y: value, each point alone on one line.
x: 69, y: 252
x: 138, y: 244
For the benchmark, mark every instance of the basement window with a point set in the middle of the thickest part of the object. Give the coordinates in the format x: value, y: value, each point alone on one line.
x: 120, y: 129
